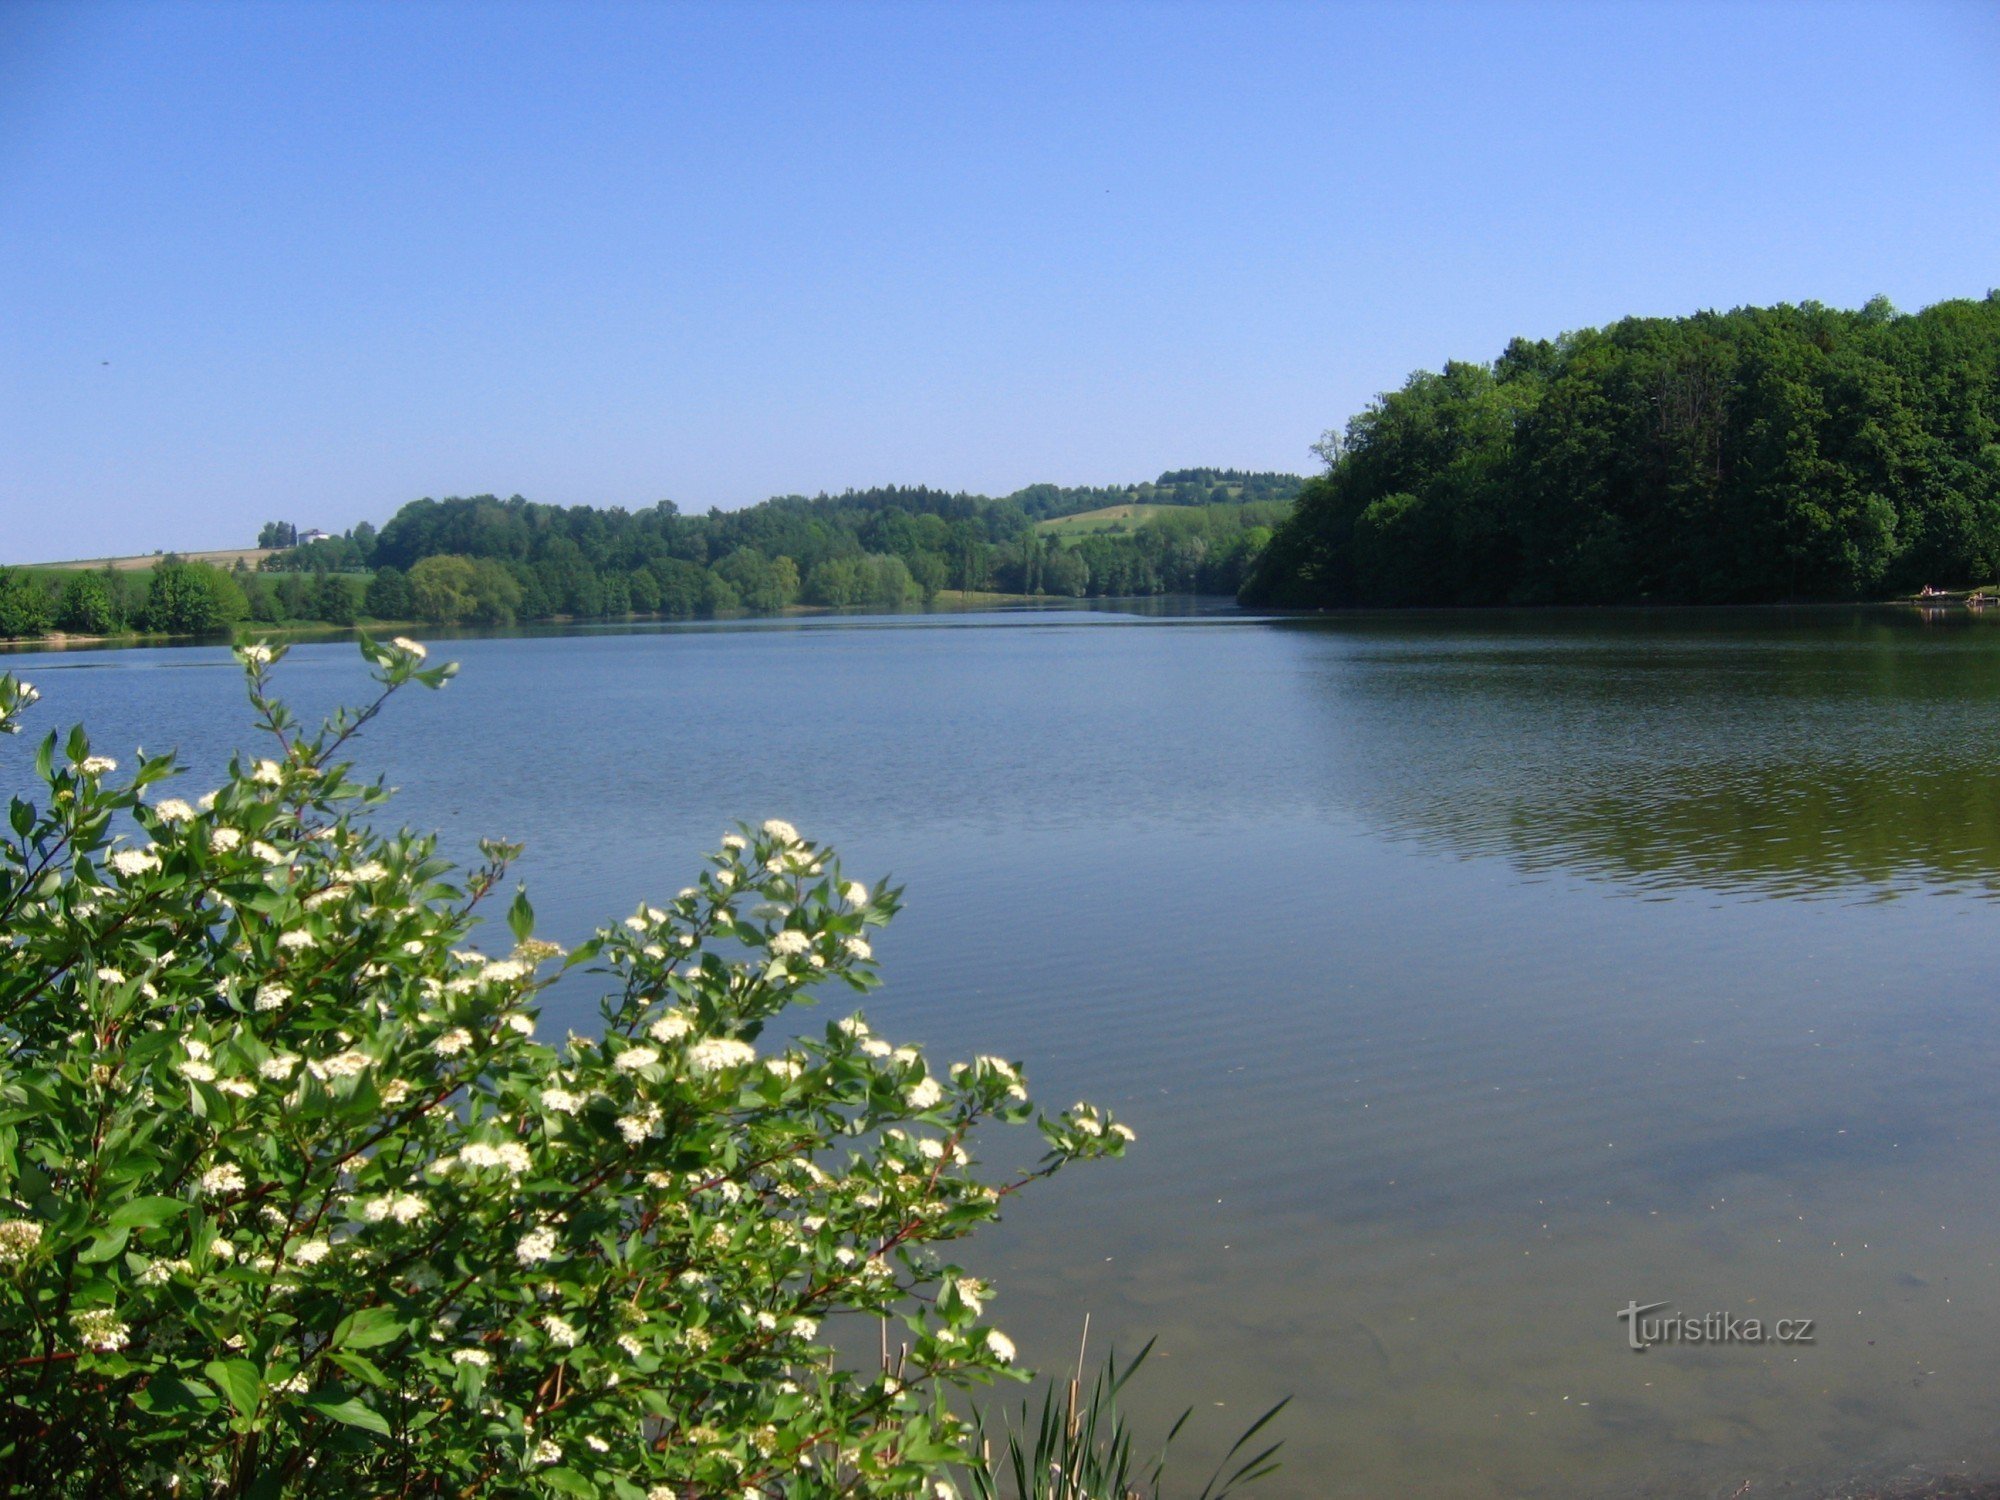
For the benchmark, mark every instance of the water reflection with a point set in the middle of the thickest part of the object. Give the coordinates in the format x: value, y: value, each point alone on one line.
x: 1783, y: 753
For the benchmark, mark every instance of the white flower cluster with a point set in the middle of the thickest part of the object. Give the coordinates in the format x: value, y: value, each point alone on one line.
x: 671, y: 1027
x: 1089, y: 1120
x: 160, y: 1272
x: 561, y: 1333
x: 131, y: 862
x: 640, y: 1124
x: 717, y: 1053
x: 536, y: 1245
x: 218, y: 1180
x: 18, y: 1239
x: 349, y: 1064
x: 99, y: 1328
x: 403, y: 1208
x: 511, y: 1155
x: 982, y: 1065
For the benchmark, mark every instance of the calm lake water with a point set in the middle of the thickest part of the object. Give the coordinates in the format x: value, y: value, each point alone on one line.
x: 1466, y: 978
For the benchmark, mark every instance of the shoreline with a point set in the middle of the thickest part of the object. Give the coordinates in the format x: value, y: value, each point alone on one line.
x: 1972, y: 601
x: 948, y: 602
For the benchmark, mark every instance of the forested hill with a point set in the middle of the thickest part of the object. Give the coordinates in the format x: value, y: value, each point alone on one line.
x: 1191, y: 530
x: 1765, y: 454
x: 805, y: 529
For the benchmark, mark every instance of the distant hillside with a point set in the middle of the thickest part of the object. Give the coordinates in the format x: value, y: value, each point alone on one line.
x: 1189, y: 530
x: 486, y: 560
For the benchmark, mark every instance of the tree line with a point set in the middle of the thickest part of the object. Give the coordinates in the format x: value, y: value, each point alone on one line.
x: 174, y: 597
x: 489, y: 560
x: 1759, y: 455
x: 484, y: 560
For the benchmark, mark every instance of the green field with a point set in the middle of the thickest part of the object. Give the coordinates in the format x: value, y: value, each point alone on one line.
x: 1109, y: 518
x: 226, y: 558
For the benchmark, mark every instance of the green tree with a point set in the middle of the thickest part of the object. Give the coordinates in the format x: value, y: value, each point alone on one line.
x: 931, y: 573
x: 448, y: 589
x: 758, y: 582
x: 838, y: 582
x: 890, y: 585
x: 1065, y: 572
x: 193, y: 599
x: 333, y: 600
x: 87, y: 607
x: 388, y: 596
x: 24, y: 604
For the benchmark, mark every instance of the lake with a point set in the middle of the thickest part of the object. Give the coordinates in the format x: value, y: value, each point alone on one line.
x: 1466, y: 977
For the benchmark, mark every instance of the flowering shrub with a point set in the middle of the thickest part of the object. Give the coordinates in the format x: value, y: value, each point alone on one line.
x: 294, y: 1201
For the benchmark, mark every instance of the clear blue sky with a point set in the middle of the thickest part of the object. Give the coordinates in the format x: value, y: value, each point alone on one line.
x: 338, y: 256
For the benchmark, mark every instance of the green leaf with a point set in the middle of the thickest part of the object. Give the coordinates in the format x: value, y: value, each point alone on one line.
x: 169, y: 1395
x: 146, y: 1213
x: 367, y: 1328
x: 104, y: 1247
x: 241, y: 1381
x: 521, y: 916
x: 354, y: 1412
x: 360, y: 1366
x: 567, y: 1480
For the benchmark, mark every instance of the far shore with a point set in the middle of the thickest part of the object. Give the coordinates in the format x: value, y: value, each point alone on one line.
x: 949, y: 601
x: 1974, y: 600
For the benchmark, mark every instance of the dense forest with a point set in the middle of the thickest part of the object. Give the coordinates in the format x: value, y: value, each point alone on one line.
x: 1765, y: 454
x: 491, y: 561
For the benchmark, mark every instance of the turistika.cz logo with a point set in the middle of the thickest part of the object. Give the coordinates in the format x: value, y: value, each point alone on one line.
x: 1643, y: 1330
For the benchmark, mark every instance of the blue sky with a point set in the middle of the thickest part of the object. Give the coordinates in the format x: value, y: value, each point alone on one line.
x: 313, y: 261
